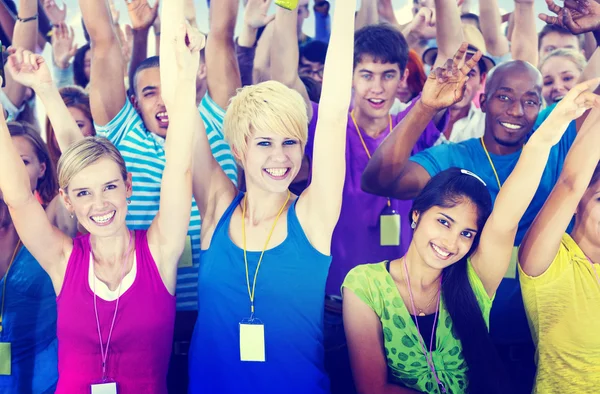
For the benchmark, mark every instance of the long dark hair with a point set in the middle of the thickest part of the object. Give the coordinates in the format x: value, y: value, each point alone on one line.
x: 484, y: 369
x: 79, y: 67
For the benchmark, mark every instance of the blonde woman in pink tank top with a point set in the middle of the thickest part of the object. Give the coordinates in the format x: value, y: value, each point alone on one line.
x: 115, y: 288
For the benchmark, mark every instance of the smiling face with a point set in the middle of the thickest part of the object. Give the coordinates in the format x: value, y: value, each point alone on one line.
x: 443, y: 236
x: 375, y: 86
x: 149, y: 102
x: 272, y: 161
x: 97, y: 195
x: 511, y: 103
x: 560, y: 75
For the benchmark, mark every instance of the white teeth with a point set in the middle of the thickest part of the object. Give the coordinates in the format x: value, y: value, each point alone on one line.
x: 511, y: 126
x: 558, y: 98
x: 440, y: 251
x: 276, y: 171
x: 162, y: 115
x: 376, y: 101
x: 104, y: 218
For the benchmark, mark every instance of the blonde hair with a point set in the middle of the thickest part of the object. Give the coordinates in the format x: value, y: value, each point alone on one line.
x: 84, y: 153
x: 268, y: 106
x: 573, y: 55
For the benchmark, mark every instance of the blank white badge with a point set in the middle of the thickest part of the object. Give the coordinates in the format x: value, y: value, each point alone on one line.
x: 104, y: 388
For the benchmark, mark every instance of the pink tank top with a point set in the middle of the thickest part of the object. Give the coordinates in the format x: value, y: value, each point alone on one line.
x: 140, y: 347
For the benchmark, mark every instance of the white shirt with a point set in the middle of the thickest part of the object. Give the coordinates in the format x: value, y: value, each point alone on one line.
x: 471, y: 126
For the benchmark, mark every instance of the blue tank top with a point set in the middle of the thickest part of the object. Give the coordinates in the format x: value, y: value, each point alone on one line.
x: 29, y: 324
x: 289, y: 300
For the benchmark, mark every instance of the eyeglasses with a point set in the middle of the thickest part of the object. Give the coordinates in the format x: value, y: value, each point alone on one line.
x: 309, y: 72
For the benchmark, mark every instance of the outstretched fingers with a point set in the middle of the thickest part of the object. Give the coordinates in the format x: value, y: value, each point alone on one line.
x: 470, y: 64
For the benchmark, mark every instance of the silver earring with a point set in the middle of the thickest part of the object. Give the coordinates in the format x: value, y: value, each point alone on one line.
x: 128, y: 202
x: 71, y: 215
x: 413, y: 225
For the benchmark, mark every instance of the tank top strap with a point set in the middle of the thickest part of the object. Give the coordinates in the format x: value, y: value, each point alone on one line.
x: 295, y: 230
x: 223, y: 224
x: 76, y: 274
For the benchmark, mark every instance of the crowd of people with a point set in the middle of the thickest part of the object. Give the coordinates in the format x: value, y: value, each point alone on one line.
x: 382, y: 208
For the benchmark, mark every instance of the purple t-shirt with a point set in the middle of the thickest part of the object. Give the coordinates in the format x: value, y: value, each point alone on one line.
x: 356, y: 238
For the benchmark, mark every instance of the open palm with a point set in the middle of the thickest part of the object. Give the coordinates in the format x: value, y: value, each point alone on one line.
x: 445, y: 86
x: 255, y: 14
x: 141, y: 14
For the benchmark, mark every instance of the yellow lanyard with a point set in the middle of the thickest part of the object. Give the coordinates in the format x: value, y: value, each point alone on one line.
x: 491, y: 163
x: 12, y: 259
x: 389, y: 203
x: 251, y: 292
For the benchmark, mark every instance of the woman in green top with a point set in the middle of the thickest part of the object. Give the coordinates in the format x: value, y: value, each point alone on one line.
x: 420, y: 323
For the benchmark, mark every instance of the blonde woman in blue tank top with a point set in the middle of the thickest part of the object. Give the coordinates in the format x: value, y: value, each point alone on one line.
x: 265, y: 253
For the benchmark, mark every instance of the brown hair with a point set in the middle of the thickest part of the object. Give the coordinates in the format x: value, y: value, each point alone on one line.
x: 47, y: 186
x: 416, y: 73
x: 73, y: 96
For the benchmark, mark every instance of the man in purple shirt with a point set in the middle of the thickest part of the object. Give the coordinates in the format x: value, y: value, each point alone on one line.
x: 370, y: 228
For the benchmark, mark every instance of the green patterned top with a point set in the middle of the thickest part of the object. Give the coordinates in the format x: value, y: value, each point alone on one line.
x: 407, y: 364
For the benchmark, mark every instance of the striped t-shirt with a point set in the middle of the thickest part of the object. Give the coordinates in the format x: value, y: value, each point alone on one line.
x: 144, y: 156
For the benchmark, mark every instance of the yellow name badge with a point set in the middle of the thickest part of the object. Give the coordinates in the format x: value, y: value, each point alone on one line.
x: 252, y: 341
x: 389, y: 229
x: 5, y: 358
x: 185, y: 261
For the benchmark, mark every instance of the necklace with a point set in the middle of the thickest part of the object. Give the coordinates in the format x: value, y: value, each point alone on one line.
x: 419, y: 311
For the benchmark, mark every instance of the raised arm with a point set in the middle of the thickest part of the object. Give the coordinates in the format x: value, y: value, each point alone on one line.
x: 142, y: 18
x: 31, y: 70
x: 168, y: 230
x: 525, y: 38
x: 255, y: 17
x: 48, y: 245
x: 490, y: 20
x: 285, y: 53
x: 449, y: 32
x: 321, y: 202
x: 389, y: 172
x: 367, y: 14
x: 542, y: 241
x: 221, y: 61
x: 24, y: 36
x: 107, y: 75
x: 492, y: 257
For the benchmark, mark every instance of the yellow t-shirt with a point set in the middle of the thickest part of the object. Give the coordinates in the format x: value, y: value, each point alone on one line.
x: 563, y: 309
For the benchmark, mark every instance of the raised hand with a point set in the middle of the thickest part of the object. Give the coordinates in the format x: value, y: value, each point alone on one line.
x: 114, y: 12
x: 28, y: 69
x: 255, y: 14
x: 423, y: 24
x: 55, y: 14
x: 578, y: 100
x: 445, y: 86
x: 188, y: 44
x: 141, y: 14
x: 63, y: 46
x: 577, y: 16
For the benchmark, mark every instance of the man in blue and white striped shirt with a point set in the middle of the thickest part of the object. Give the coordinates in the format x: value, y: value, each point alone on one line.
x: 138, y: 129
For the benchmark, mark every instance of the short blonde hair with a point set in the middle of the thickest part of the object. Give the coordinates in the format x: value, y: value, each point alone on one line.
x: 568, y: 53
x: 84, y: 153
x: 268, y: 106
